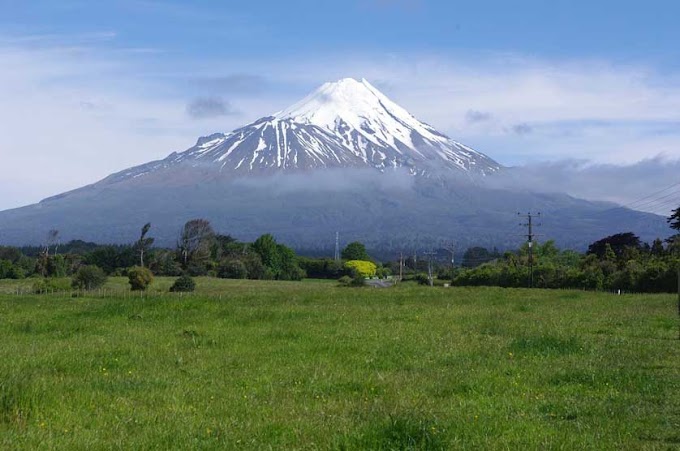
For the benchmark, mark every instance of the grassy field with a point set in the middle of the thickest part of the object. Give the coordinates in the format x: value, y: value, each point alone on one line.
x: 272, y: 365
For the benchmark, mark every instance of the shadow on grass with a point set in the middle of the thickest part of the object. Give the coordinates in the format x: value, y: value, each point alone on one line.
x: 545, y: 345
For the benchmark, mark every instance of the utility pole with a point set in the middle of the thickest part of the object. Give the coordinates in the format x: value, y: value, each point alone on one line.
x: 430, y: 277
x: 337, y: 247
x: 401, y: 266
x: 450, y: 246
x: 451, y: 249
x: 530, y: 242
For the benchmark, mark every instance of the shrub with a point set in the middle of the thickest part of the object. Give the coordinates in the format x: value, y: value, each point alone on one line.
x: 361, y: 267
x: 422, y: 279
x: 197, y: 269
x: 184, y: 284
x: 358, y: 281
x: 89, y: 277
x: 119, y: 272
x: 8, y: 270
x: 321, y: 268
x: 347, y: 281
x: 232, y: 269
x: 140, y: 278
x: 51, y: 284
x: 383, y: 272
x: 292, y: 272
x: 254, y: 266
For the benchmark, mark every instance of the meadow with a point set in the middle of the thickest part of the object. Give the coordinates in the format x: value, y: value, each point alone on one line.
x: 309, y: 365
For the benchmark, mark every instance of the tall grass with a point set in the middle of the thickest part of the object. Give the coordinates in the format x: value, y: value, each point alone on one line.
x: 258, y: 365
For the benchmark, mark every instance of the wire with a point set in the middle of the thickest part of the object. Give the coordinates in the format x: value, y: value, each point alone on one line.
x: 651, y: 195
x: 649, y: 200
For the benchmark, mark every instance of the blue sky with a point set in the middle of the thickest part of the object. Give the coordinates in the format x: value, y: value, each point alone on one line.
x: 619, y: 30
x: 89, y: 88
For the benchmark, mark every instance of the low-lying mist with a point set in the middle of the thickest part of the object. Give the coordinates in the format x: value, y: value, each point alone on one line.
x: 333, y: 180
x: 625, y: 185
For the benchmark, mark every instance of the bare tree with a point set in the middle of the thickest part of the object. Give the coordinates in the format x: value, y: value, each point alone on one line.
x: 144, y: 243
x: 43, y: 261
x: 195, y: 239
x: 52, y: 239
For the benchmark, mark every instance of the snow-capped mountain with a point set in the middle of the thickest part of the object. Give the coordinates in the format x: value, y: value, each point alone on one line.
x: 343, y: 124
x: 315, y: 168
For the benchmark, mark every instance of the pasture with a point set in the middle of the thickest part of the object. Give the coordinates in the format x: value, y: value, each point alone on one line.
x: 309, y: 365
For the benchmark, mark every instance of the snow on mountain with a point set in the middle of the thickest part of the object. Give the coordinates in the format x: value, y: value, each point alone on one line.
x: 343, y: 124
x: 346, y: 124
x: 356, y: 105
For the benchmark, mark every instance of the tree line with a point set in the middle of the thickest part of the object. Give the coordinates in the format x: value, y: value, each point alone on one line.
x: 199, y: 251
x: 617, y: 262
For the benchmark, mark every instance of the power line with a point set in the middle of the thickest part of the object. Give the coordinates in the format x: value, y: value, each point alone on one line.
x: 652, y: 194
x: 647, y: 200
x: 653, y: 206
x: 653, y: 201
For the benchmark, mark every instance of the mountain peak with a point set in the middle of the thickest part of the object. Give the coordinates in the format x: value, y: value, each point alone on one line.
x: 349, y: 105
x: 343, y: 124
x: 352, y: 101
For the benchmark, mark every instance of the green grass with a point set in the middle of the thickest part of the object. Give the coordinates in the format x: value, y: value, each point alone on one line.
x: 260, y: 365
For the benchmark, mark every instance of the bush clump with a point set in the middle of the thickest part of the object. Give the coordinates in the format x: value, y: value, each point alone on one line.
x: 140, y: 278
x: 422, y: 279
x: 88, y: 277
x: 43, y: 285
x: 356, y: 281
x: 361, y: 267
x: 232, y: 269
x: 183, y: 284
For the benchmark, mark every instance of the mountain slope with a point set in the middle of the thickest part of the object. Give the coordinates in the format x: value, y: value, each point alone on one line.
x: 346, y: 159
x: 304, y: 211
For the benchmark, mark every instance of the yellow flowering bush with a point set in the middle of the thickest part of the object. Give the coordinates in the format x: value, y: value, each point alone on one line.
x: 362, y: 267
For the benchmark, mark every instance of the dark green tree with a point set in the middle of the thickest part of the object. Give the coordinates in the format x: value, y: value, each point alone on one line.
x: 268, y: 250
x: 232, y: 269
x: 279, y: 260
x: 290, y: 270
x: 355, y: 251
x: 222, y: 245
x: 139, y: 278
x: 6, y: 269
x: 89, y: 277
x: 476, y: 256
x: 674, y: 219
x: 183, y: 284
x: 12, y: 254
x: 618, y: 243
x: 657, y: 248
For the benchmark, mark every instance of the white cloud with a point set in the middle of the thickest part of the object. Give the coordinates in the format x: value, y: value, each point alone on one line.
x: 69, y: 118
x: 649, y: 185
